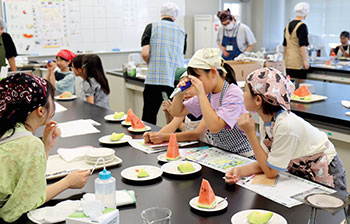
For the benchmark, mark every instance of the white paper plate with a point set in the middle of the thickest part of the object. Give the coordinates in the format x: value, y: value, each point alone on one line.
x: 68, y: 98
x: 147, y: 128
x: 324, y: 201
x: 106, y: 139
x: 171, y: 168
x: 241, y: 217
x: 314, y: 98
x: 221, y: 206
x: 99, y: 152
x: 130, y: 173
x: 110, y: 117
x: 162, y: 158
x: 126, y: 123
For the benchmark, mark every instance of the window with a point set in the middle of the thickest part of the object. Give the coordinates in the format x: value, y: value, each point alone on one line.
x: 235, y: 8
x: 327, y: 18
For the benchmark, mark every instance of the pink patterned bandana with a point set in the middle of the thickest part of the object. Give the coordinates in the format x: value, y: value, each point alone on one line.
x: 21, y: 90
x: 274, y: 87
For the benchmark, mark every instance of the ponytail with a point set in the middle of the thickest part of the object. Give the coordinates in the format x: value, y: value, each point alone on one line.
x: 230, y: 76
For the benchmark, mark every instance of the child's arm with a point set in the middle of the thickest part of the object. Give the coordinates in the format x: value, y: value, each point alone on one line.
x: 90, y: 99
x: 75, y: 180
x: 193, y: 135
x: 177, y: 107
x: 164, y: 134
x: 233, y: 175
x: 247, y: 124
x: 173, y: 125
x: 212, y: 120
x: 50, y: 76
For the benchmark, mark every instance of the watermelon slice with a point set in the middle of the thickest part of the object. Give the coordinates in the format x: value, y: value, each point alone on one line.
x: 302, y: 93
x: 256, y: 217
x: 207, y: 198
x: 142, y: 173
x: 173, y: 149
x: 129, y: 116
x: 136, y: 123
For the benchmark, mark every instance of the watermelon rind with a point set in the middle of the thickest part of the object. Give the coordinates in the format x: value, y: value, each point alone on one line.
x: 212, y: 205
x: 172, y: 159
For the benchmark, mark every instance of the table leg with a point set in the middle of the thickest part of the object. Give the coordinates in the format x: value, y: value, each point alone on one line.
x: 346, y: 216
x: 312, y: 218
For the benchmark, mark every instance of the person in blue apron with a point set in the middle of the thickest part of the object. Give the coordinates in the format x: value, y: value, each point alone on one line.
x: 233, y: 37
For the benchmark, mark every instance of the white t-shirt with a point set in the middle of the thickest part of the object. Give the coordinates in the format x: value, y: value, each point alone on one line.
x: 245, y: 36
x: 294, y: 138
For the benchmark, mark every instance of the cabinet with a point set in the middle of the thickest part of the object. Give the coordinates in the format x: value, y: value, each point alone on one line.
x: 205, y: 31
x: 117, y: 94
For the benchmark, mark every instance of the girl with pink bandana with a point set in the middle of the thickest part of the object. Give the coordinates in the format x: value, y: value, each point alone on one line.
x: 287, y: 142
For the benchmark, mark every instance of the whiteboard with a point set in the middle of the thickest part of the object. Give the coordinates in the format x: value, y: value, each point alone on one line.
x: 43, y: 27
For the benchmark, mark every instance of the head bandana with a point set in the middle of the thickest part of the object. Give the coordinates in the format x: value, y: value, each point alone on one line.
x: 275, y: 88
x: 169, y: 9
x: 21, y: 90
x: 302, y: 9
x: 224, y: 15
x: 66, y: 54
x: 207, y: 58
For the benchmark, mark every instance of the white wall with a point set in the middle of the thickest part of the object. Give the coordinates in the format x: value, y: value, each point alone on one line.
x: 195, y: 7
x: 268, y: 22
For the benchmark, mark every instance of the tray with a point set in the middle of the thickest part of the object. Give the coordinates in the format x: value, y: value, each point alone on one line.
x: 314, y: 98
x: 58, y: 167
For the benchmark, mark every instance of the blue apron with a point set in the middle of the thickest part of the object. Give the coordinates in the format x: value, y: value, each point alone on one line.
x: 226, y: 40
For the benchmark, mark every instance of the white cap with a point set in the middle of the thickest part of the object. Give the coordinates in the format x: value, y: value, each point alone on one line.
x: 2, y: 23
x: 169, y: 9
x: 302, y: 9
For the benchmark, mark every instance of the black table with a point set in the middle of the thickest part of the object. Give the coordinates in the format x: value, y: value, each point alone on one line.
x: 174, y: 194
x: 329, y: 113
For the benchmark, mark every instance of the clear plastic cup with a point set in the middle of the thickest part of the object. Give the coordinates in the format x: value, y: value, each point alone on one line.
x: 156, y: 216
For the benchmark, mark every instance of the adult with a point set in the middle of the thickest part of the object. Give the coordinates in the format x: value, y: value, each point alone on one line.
x: 7, y: 48
x: 233, y: 37
x: 343, y: 50
x: 163, y: 48
x: 295, y: 43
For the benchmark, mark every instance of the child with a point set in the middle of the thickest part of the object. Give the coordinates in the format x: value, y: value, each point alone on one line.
x: 94, y: 88
x: 26, y: 103
x: 288, y: 143
x: 218, y: 99
x: 343, y: 50
x: 192, y: 129
x: 62, y: 80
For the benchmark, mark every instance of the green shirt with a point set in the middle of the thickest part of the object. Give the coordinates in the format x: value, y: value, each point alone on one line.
x: 22, y: 175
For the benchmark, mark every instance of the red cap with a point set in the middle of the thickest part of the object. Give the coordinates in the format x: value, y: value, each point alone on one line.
x: 66, y: 54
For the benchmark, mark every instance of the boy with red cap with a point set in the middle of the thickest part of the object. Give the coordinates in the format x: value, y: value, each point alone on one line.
x: 63, y: 79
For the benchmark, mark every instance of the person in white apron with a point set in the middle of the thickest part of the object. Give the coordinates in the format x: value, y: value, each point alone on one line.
x: 287, y: 142
x: 218, y: 99
x: 26, y: 103
x: 343, y: 50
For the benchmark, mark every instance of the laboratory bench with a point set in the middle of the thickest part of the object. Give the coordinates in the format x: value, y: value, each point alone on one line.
x: 172, y: 193
x: 339, y: 72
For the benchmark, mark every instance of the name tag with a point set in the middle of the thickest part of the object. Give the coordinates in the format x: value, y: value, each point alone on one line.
x: 229, y: 47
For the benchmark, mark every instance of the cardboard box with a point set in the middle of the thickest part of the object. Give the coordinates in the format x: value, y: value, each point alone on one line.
x: 279, y: 65
x: 243, y: 69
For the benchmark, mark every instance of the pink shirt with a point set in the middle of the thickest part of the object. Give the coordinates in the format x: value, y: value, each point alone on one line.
x: 230, y: 110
